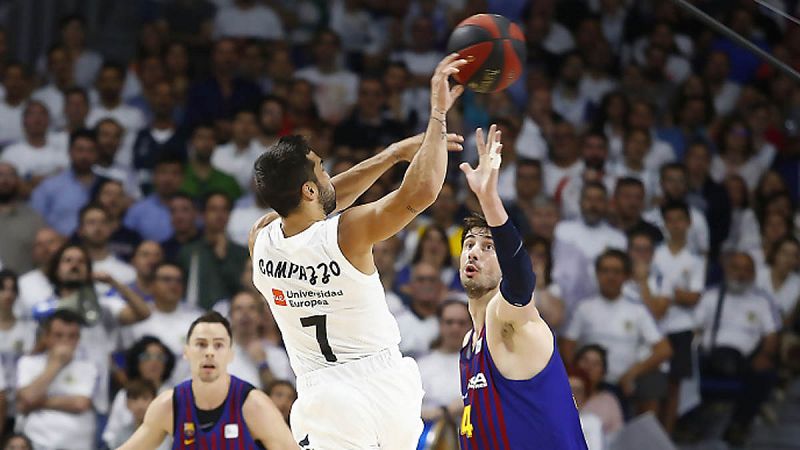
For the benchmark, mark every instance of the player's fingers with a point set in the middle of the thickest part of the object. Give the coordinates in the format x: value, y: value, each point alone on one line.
x: 490, y: 136
x: 450, y: 71
x: 446, y: 60
x: 465, y: 168
x: 479, y: 141
x: 456, y: 92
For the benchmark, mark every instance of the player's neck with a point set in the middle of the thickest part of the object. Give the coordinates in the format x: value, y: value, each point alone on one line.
x: 298, y: 222
x: 208, y: 396
x: 477, y: 307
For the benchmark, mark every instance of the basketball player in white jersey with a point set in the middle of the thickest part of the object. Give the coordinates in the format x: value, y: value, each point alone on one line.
x: 355, y: 391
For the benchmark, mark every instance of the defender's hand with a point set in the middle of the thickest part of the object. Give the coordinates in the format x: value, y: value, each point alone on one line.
x: 442, y: 96
x: 482, y: 180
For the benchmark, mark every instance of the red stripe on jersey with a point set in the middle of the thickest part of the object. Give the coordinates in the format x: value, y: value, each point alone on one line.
x: 500, y: 416
x: 488, y: 403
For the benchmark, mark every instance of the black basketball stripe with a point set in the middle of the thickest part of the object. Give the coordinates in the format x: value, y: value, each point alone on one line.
x: 467, y: 36
x: 521, y: 50
x: 487, y: 77
x: 502, y: 24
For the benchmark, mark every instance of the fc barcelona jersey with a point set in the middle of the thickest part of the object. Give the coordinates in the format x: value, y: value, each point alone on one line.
x: 503, y: 414
x: 230, y: 432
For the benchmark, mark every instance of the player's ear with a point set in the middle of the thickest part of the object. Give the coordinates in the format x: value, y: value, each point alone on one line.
x: 309, y: 190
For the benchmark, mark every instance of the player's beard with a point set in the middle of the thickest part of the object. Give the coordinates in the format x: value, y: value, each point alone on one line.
x: 478, y: 285
x: 328, y: 199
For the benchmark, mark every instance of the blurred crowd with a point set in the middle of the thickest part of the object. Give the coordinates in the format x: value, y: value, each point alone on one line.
x: 650, y: 163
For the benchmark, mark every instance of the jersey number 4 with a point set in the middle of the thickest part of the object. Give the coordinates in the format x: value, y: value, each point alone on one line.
x: 466, y: 422
x: 321, y: 324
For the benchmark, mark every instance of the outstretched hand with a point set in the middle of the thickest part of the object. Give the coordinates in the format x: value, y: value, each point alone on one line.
x: 442, y: 95
x: 408, y: 147
x: 482, y: 180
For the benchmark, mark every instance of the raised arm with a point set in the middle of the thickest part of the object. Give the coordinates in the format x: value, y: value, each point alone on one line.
x: 266, y: 423
x: 155, y: 427
x: 364, y: 225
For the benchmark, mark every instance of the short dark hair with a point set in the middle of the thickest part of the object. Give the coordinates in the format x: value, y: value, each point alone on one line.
x: 116, y: 67
x: 770, y: 256
x: 270, y: 98
x: 615, y: 253
x: 66, y: 20
x: 65, y: 315
x: 593, y: 185
x: 593, y: 348
x: 84, y: 133
x: 672, y: 166
x: 628, y: 182
x: 281, y: 171
x: 183, y: 195
x: 168, y: 158
x: 211, y: 317
x: 106, y: 120
x: 139, y: 388
x: 8, y: 274
x: 75, y: 90
x: 90, y: 207
x: 138, y: 348
x: 213, y: 194
x: 676, y: 205
x: 529, y: 162
x: 474, y: 220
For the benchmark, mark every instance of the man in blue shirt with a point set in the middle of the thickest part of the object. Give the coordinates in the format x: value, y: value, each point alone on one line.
x: 150, y: 216
x: 59, y: 198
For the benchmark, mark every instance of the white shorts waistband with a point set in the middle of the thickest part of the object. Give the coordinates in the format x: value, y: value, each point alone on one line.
x: 350, y: 370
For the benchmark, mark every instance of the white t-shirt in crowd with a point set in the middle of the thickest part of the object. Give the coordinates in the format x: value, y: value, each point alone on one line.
x: 53, y: 98
x: 441, y: 379
x: 530, y: 142
x: 683, y: 270
x: 237, y: 162
x: 14, y: 342
x: 117, y: 268
x: 419, y: 63
x: 242, y: 218
x: 334, y: 93
x: 49, y: 428
x: 36, y: 161
x: 129, y: 117
x: 416, y: 333
x: 245, y: 368
x: 786, y: 296
x: 34, y: 288
x: 623, y: 326
x: 558, y: 40
x: 591, y: 240
x: 660, y: 153
x: 11, y: 123
x: 555, y: 176
x: 744, y: 320
x: 574, y: 110
x: 596, y: 88
x: 725, y: 99
x: 259, y: 22
x: 750, y: 171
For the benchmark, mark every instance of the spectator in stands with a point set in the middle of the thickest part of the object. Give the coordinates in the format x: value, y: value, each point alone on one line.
x: 645, y: 280
x: 594, y: 153
x: 611, y: 120
x: 16, y: 84
x: 593, y: 360
x: 150, y: 216
x: 34, y: 286
x: 432, y: 248
x: 625, y: 327
x: 16, y: 339
x: 169, y: 318
x: 745, y: 233
x: 780, y: 279
x: 723, y: 88
x: 528, y: 189
x: 442, y: 214
x: 217, y: 98
x: 420, y: 55
x: 94, y: 232
x: 335, y: 88
x: 386, y: 253
x: 743, y: 344
x: 568, y: 100
x: 114, y: 161
x: 283, y: 394
x: 36, y: 156
x: 737, y: 153
x: 149, y: 361
x: 643, y: 115
x: 368, y: 127
x: 594, y: 207
x: 743, y: 63
x: 138, y: 396
x: 418, y: 324
x: 548, y: 294
x: 214, y: 263
x: 591, y: 423
x: 147, y: 257
x: 60, y: 70
x: 563, y: 160
x: 17, y: 441
x: 148, y: 71
x: 632, y: 164
x: 59, y: 198
x: 628, y: 206
x: 248, y: 19
x: 54, y: 388
x: 438, y: 368
x: 674, y: 187
x: 76, y: 111
x: 85, y: 63
x: 255, y: 360
x: 238, y: 156
x: 246, y: 211
x: 184, y: 218
x: 109, y: 194
x: 201, y: 177
x: 19, y: 223
x: 271, y: 121
x: 109, y: 84
x: 162, y: 135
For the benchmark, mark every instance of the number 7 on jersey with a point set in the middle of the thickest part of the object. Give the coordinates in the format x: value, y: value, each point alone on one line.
x: 321, y: 324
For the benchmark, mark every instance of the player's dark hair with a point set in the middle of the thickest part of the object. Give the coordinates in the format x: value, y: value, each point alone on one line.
x: 8, y: 274
x: 211, y: 317
x: 618, y: 254
x: 139, y: 348
x: 281, y: 171
x: 139, y: 388
x: 473, y: 221
x: 82, y: 133
x: 676, y: 205
x: 600, y: 350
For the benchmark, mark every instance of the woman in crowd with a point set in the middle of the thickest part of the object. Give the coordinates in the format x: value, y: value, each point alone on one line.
x: 592, y: 359
x: 780, y: 277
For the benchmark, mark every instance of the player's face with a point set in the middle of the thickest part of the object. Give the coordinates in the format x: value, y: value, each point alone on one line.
x: 208, y: 352
x: 478, y: 267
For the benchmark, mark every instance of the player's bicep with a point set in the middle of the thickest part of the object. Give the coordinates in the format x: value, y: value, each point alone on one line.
x: 266, y: 423
x: 364, y: 225
x: 260, y: 223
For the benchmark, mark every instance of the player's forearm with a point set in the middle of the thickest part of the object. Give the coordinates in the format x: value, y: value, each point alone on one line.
x: 351, y: 183
x: 425, y: 175
x: 518, y: 279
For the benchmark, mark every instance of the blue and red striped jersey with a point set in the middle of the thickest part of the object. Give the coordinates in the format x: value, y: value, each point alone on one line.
x: 503, y: 414
x: 230, y: 432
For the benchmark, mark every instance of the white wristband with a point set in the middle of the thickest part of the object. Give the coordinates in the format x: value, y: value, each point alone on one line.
x: 494, y: 156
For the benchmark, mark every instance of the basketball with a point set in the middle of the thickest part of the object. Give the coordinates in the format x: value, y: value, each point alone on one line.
x: 494, y: 49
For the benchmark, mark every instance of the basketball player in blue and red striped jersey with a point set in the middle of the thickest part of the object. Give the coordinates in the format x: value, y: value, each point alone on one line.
x: 513, y: 382
x: 213, y: 410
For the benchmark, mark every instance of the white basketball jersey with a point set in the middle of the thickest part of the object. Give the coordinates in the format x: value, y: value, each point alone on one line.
x: 328, y: 311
